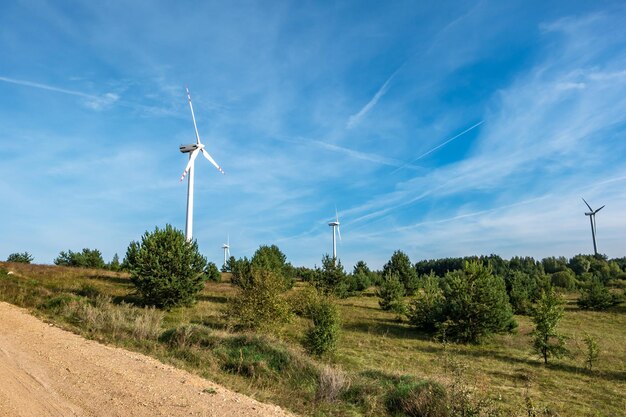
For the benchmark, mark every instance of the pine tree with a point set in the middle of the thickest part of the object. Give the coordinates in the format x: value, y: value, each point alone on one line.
x: 476, y: 304
x: 166, y: 268
x: 400, y: 266
x: 390, y: 293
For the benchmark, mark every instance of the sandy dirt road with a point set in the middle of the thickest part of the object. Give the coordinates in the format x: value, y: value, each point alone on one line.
x: 46, y: 371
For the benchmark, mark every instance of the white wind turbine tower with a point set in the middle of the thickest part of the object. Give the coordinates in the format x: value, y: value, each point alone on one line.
x: 193, y: 149
x: 336, y: 231
x: 226, y: 247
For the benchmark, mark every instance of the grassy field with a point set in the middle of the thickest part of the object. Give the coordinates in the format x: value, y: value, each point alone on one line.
x: 376, y: 354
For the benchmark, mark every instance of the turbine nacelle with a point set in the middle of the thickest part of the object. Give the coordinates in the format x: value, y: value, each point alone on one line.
x: 335, y: 226
x: 188, y: 148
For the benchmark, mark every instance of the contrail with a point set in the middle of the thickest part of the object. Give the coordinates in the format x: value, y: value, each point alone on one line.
x: 356, y: 118
x: 47, y: 87
x: 440, y: 145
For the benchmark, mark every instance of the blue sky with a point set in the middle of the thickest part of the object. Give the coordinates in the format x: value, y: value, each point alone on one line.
x: 439, y: 128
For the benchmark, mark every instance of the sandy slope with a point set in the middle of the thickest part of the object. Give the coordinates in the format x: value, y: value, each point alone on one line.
x: 46, y: 371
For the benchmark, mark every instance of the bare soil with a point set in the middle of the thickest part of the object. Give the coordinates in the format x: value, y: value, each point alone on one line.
x: 47, y: 371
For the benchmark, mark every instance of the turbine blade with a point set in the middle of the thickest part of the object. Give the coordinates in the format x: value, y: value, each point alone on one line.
x: 192, y: 158
x: 193, y: 116
x: 590, y: 209
x: 211, y: 160
x: 338, y: 232
x: 598, y: 210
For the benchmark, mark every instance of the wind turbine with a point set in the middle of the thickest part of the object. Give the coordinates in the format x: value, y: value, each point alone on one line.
x: 592, y: 219
x: 226, y: 247
x: 336, y: 231
x: 193, y: 150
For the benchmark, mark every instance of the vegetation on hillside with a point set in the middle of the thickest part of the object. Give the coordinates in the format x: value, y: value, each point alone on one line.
x: 317, y: 341
x: 21, y: 257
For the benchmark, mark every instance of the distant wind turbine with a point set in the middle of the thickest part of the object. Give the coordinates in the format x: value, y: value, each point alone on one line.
x: 226, y: 247
x: 193, y: 149
x: 592, y: 219
x: 336, y: 231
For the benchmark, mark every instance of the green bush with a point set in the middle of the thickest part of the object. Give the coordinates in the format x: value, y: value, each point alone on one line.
x: 241, y: 272
x: 390, y: 293
x: 260, y: 305
x: 88, y: 258
x: 563, y: 279
x: 400, y: 266
x: 115, y: 264
x: 252, y: 356
x: 212, y: 272
x: 188, y: 335
x: 167, y: 270
x: 301, y: 301
x: 322, y: 336
x: 471, y: 306
x: 418, y: 399
x: 546, y: 316
x: 598, y: 297
x: 426, y: 309
x: 270, y: 258
x: 130, y: 259
x: 331, y: 279
x: 476, y: 304
x: 24, y: 257
x: 521, y: 288
x: 360, y: 279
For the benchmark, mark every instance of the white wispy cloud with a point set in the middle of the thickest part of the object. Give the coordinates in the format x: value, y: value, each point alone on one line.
x: 356, y: 118
x: 95, y: 102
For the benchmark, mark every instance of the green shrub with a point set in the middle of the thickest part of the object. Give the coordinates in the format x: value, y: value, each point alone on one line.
x: 115, y: 264
x: 426, y: 309
x: 322, y: 336
x: 24, y: 258
x: 418, y: 399
x: 563, y: 279
x: 303, y: 300
x: 130, y: 260
x: 88, y: 258
x: 88, y: 290
x: 331, y: 279
x: 547, y: 342
x: 400, y: 266
x: 261, y: 304
x: 519, y: 289
x: 360, y: 279
x: 241, y: 272
x: 58, y: 302
x: 212, y: 272
x: 252, y: 356
x: 270, y: 258
x: 592, y: 351
x: 390, y: 293
x: 188, y: 335
x: 167, y: 270
x: 474, y: 305
x: 598, y: 297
